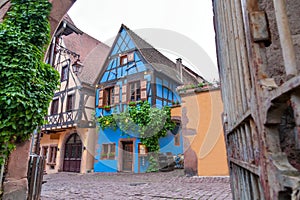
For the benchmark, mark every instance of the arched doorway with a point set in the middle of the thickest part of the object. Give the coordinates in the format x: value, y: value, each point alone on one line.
x: 73, y: 152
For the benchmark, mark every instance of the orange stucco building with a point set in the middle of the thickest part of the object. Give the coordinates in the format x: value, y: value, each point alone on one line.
x: 204, y: 144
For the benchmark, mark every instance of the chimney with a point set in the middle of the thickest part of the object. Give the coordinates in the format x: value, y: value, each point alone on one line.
x: 179, y: 67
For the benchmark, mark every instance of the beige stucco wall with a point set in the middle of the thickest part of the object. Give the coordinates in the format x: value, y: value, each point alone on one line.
x: 204, y: 145
x: 87, y: 136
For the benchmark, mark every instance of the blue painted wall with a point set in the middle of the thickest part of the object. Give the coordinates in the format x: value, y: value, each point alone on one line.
x: 167, y: 144
x: 110, y: 136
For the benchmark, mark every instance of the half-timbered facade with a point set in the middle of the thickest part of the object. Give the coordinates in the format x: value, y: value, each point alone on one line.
x: 135, y: 71
x: 68, y: 137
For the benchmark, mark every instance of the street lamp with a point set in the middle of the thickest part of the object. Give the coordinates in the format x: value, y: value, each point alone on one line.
x: 77, y: 67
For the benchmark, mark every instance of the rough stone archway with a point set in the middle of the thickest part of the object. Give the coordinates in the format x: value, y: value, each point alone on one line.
x: 15, y: 185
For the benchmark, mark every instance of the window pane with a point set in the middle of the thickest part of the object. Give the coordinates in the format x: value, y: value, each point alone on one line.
x: 54, y: 107
x: 64, y: 73
x: 105, y: 148
x: 166, y: 93
x: 70, y: 102
x: 159, y: 90
x: 113, y: 148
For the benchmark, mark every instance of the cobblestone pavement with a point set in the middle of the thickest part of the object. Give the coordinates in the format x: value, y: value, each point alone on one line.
x: 162, y: 185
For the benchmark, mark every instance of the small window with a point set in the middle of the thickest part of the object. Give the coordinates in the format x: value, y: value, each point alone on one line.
x: 54, y: 107
x: 142, y: 149
x: 70, y: 102
x: 123, y: 60
x: 64, y: 73
x: 52, y: 154
x: 135, y: 91
x: 108, y: 151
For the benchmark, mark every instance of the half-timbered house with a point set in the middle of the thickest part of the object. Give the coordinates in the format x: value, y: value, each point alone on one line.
x: 68, y: 137
x: 135, y: 71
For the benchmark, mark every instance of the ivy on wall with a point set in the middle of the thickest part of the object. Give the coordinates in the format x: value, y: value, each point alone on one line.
x: 27, y: 84
x: 144, y: 122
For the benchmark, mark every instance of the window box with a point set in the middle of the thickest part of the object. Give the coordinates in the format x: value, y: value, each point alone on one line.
x: 107, y: 108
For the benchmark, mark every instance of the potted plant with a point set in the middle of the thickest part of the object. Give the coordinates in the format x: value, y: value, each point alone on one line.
x: 103, y: 155
x: 111, y: 155
x: 107, y: 108
x: 132, y: 103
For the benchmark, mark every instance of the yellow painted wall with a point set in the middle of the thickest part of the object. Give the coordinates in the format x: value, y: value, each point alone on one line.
x: 203, y: 133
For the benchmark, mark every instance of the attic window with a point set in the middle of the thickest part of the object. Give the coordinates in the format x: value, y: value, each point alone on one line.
x: 123, y: 60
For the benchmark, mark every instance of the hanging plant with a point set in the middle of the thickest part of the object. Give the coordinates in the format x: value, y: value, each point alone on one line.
x: 27, y: 84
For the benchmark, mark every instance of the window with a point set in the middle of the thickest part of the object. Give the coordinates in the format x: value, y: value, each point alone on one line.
x: 123, y: 60
x: 142, y: 149
x: 135, y: 91
x: 109, y: 96
x: 64, y: 73
x: 52, y: 155
x: 54, y: 107
x: 70, y: 102
x: 108, y: 151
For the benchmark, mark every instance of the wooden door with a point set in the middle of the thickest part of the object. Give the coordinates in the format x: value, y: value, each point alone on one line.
x: 73, y: 152
x: 127, y: 156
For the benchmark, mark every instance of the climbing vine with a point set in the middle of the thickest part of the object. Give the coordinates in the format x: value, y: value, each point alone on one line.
x: 144, y: 122
x: 27, y: 84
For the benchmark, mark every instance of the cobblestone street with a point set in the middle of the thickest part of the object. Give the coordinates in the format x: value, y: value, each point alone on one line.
x: 162, y: 185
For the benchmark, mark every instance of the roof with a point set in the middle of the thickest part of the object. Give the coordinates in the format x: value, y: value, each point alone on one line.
x: 160, y: 62
x: 92, y: 53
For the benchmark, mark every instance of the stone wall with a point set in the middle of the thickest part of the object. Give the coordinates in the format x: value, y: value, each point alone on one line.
x: 275, y: 66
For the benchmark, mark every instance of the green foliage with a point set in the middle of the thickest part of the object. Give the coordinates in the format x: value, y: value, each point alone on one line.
x: 153, y: 163
x: 27, y: 84
x: 144, y: 122
x: 107, y: 122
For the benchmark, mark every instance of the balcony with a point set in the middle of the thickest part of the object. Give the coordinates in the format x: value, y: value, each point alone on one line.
x: 61, y: 120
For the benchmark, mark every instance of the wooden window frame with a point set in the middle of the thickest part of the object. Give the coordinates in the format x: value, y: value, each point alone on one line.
x: 110, y: 153
x: 52, y: 154
x: 136, y: 91
x: 123, y: 60
x: 139, y: 150
x: 109, y: 96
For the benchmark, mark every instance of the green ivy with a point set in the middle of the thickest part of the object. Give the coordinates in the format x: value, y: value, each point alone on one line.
x: 27, y: 84
x: 144, y: 122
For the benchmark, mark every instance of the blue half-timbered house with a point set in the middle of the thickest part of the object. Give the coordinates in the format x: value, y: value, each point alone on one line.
x: 136, y: 71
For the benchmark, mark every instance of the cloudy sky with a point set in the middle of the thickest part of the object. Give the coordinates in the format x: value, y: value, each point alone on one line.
x: 176, y: 28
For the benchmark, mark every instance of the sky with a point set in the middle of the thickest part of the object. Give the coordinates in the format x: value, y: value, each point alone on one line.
x: 176, y: 28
